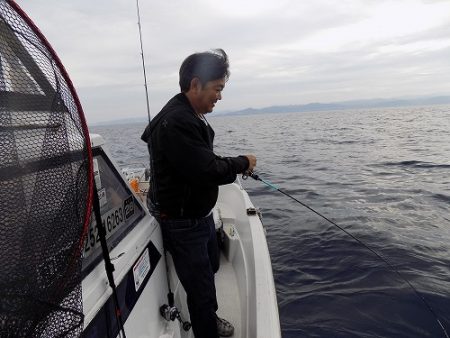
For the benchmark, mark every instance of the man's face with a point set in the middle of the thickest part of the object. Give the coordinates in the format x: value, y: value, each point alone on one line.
x: 208, y: 95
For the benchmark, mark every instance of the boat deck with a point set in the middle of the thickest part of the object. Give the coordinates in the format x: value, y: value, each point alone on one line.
x: 228, y: 295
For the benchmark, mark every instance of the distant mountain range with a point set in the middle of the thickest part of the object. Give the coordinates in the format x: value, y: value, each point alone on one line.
x: 356, y: 104
x: 311, y: 107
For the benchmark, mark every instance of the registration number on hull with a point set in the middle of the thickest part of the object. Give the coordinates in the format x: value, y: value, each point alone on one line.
x: 112, y: 220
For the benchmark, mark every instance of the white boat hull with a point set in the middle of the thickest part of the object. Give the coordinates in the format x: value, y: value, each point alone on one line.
x: 245, y: 285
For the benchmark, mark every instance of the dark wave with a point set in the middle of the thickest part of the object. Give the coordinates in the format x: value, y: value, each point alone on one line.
x: 441, y: 197
x: 415, y: 164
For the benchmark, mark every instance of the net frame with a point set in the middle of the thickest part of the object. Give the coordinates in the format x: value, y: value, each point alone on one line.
x: 45, y: 326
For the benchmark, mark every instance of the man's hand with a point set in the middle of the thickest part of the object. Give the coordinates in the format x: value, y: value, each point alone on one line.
x: 251, y: 161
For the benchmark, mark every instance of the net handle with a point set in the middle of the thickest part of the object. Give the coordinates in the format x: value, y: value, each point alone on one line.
x: 84, y: 126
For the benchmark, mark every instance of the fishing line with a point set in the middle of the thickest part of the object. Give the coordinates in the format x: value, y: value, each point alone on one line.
x: 269, y: 184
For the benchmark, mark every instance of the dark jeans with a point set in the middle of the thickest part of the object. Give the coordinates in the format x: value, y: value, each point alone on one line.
x: 195, y: 253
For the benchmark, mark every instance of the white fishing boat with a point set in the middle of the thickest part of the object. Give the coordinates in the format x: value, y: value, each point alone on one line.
x: 54, y: 281
x: 245, y: 286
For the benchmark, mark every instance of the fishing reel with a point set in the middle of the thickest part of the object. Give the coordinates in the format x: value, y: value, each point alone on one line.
x: 170, y: 313
x: 248, y: 174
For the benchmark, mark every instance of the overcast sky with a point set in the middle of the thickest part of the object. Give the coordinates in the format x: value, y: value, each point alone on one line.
x: 281, y: 51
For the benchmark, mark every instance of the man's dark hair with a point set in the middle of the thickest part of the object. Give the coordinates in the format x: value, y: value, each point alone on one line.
x: 206, y: 66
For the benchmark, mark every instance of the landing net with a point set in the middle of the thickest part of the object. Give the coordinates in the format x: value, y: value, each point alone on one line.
x: 45, y: 185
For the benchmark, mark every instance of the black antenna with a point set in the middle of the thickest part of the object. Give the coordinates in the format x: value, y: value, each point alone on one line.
x: 143, y: 61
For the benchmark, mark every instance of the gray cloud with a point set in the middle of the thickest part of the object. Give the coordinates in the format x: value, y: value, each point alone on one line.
x: 281, y: 51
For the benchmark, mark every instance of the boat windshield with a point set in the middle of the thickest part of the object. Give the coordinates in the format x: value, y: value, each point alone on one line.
x: 119, y: 209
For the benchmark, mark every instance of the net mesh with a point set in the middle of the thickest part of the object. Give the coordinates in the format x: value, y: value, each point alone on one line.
x: 45, y: 186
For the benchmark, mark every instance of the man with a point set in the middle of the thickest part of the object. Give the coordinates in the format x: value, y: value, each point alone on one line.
x: 184, y: 188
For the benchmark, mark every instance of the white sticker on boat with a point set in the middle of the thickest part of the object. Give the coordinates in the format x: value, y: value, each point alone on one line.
x: 102, y: 197
x: 98, y: 181
x: 141, y: 269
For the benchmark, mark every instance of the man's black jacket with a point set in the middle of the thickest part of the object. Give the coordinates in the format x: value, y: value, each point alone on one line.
x: 186, y: 172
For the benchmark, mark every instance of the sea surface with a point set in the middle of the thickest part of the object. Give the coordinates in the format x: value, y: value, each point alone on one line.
x: 381, y: 174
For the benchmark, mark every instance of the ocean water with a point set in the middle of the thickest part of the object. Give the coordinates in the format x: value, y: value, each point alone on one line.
x: 384, y: 176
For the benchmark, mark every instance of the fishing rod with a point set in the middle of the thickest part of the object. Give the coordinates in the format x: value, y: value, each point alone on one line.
x: 143, y: 60
x: 168, y: 311
x: 146, y: 99
x: 271, y: 185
